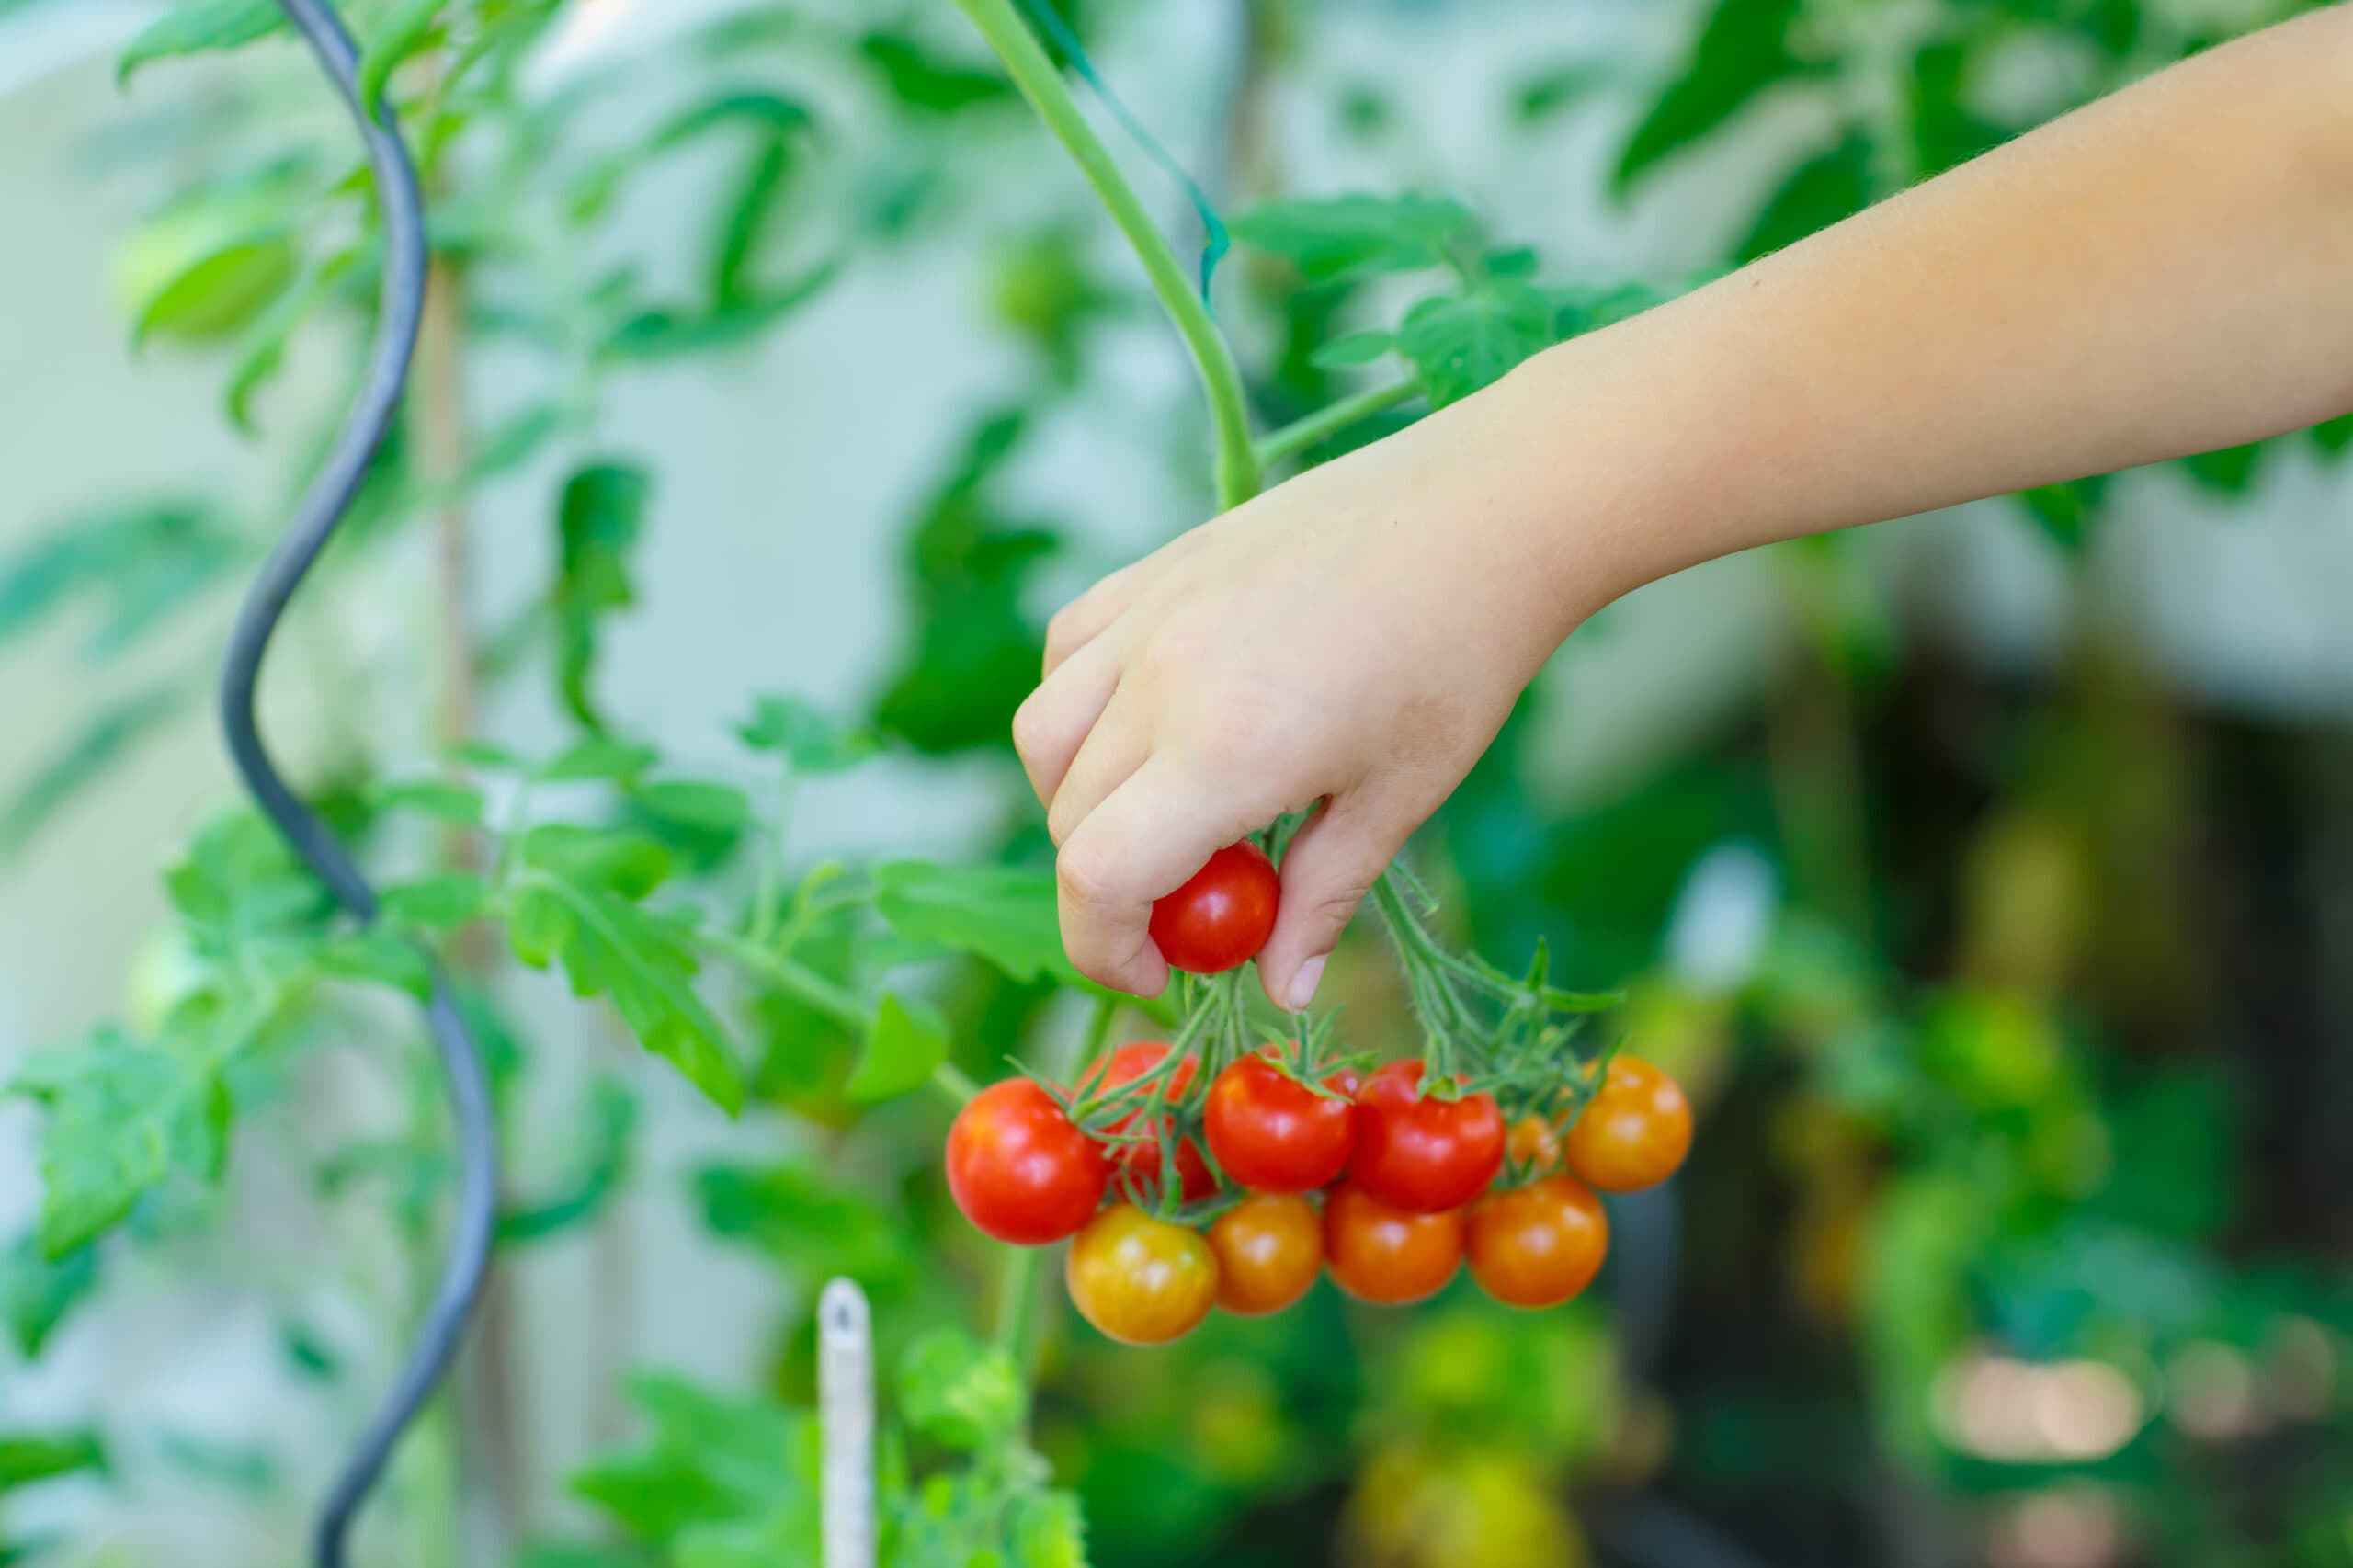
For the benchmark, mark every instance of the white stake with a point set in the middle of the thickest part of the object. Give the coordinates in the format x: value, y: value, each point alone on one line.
x: 846, y: 1411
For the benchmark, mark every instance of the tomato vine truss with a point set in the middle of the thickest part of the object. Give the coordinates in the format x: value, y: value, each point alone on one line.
x: 322, y: 507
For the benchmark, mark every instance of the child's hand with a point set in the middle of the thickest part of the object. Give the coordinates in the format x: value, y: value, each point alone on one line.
x: 1354, y: 637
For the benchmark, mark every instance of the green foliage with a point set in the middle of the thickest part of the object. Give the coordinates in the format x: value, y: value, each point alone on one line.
x: 597, y: 525
x: 26, y: 1458
x: 133, y: 568
x: 973, y: 648
x: 1342, y: 238
x: 36, y: 1290
x: 123, y: 1115
x: 196, y: 27
x: 578, y: 900
x: 1743, y: 47
x: 733, y: 1482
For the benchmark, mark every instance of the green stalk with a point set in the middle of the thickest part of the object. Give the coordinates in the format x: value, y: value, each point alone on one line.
x: 1017, y: 1298
x: 1330, y: 420
x: 949, y: 1080
x: 1009, y: 37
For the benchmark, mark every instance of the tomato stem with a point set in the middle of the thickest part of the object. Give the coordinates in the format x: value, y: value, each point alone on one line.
x: 1034, y: 72
x: 1328, y: 421
x: 950, y: 1080
x: 1015, y: 1295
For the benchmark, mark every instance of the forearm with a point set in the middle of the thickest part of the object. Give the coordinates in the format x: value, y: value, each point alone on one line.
x: 2168, y: 271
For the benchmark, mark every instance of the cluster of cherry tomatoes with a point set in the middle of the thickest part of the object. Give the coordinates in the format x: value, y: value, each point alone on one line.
x: 1283, y: 1170
x: 1387, y: 1189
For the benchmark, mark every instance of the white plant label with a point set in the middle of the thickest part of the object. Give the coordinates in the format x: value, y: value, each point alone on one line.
x: 846, y: 1409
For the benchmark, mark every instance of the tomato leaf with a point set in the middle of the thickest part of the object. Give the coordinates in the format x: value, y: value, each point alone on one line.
x: 703, y: 808
x: 596, y: 757
x: 27, y: 1457
x: 809, y: 740
x: 601, y: 1163
x: 1003, y: 914
x: 808, y: 1221
x: 1049, y: 1531
x: 403, y: 31
x: 576, y: 906
x: 219, y: 292
x: 109, y: 736
x: 956, y: 1391
x: 434, y: 798
x: 1333, y: 238
x: 907, y: 1042
x: 379, y: 957
x: 138, y: 567
x: 441, y: 903
x: 1820, y: 192
x: 1355, y: 348
x: 1741, y: 50
x: 597, y: 525
x: 123, y: 1115
x: 194, y: 27
x: 1457, y: 344
x: 38, y: 1290
x: 704, y: 1459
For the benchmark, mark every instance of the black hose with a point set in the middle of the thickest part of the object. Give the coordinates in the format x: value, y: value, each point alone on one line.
x: 321, y: 508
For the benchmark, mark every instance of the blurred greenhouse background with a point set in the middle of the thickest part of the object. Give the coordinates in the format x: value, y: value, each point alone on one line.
x: 1988, y: 875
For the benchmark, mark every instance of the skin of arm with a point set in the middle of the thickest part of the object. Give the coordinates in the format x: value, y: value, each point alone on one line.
x: 2167, y: 271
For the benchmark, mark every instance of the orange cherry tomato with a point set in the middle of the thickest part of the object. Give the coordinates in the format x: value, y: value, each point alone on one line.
x: 1141, y: 1281
x: 1388, y: 1256
x: 1269, y: 1249
x: 1534, y: 1144
x: 1634, y: 1133
x: 1537, y: 1246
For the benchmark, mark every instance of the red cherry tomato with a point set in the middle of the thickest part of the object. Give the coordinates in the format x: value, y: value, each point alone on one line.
x: 1269, y: 1250
x: 1141, y: 1158
x: 1539, y: 1245
x: 1019, y: 1169
x: 1388, y: 1256
x: 1272, y: 1133
x: 1221, y: 917
x: 1633, y: 1134
x: 1141, y: 1281
x: 1420, y: 1154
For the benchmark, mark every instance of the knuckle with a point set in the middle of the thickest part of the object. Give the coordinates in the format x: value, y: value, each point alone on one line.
x: 1085, y: 884
x: 1032, y: 726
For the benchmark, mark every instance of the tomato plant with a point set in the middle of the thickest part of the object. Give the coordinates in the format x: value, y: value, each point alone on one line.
x: 1222, y: 915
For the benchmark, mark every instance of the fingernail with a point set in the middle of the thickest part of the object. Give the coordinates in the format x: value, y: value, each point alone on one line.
x: 1303, y: 984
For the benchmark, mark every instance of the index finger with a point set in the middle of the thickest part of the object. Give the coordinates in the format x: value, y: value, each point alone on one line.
x: 1147, y: 837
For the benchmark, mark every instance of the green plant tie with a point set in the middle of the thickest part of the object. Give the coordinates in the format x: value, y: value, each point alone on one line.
x: 1215, y: 240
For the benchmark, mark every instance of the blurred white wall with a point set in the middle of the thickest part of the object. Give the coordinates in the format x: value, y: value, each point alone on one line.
x: 834, y: 425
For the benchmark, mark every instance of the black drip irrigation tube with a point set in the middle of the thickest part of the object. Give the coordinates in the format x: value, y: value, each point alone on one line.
x: 321, y: 509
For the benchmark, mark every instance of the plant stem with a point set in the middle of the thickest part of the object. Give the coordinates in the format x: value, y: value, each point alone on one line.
x: 1009, y: 37
x: 949, y: 1080
x: 803, y: 984
x: 1016, y: 1293
x: 1330, y: 420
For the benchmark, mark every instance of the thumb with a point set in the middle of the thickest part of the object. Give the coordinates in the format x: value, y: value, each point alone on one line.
x: 1329, y: 868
